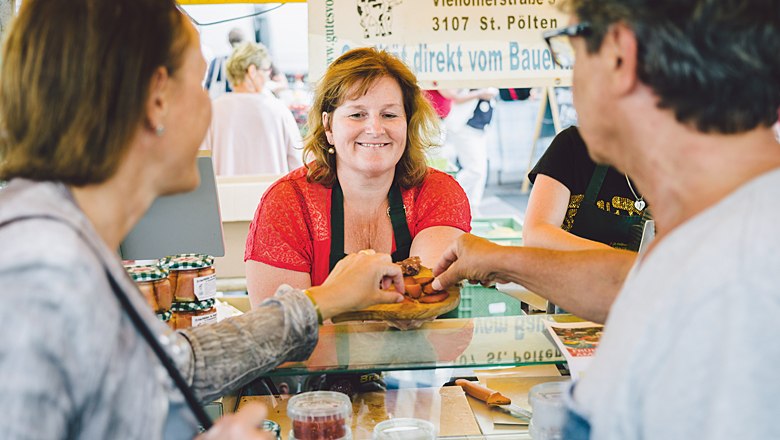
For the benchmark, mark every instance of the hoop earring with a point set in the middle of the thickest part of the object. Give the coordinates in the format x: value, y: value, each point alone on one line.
x: 331, y: 150
x: 159, y: 130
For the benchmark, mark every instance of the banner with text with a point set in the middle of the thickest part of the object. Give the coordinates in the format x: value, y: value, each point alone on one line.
x: 447, y: 43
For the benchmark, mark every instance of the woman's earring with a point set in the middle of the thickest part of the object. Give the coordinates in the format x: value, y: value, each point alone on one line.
x: 159, y: 130
x: 332, y: 150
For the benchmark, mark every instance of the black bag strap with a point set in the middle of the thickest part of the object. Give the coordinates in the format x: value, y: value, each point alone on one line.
x: 140, y: 325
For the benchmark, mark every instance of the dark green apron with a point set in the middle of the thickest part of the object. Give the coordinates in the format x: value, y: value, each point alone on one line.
x: 397, y: 212
x: 605, y: 227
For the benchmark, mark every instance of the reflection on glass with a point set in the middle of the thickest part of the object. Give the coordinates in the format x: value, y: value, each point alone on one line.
x: 476, y: 342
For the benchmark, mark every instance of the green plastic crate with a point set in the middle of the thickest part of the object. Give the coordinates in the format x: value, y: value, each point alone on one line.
x: 506, y: 231
x: 477, y: 301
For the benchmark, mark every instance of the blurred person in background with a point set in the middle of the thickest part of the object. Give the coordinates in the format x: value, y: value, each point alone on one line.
x: 465, y: 144
x: 252, y: 131
x: 216, y: 81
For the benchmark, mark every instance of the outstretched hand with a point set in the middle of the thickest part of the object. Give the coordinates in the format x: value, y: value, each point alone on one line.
x: 242, y: 425
x: 358, y: 281
x: 469, y: 258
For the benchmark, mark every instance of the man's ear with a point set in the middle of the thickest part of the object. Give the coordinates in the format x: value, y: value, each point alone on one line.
x: 620, y: 40
x: 326, y: 126
x: 157, y: 103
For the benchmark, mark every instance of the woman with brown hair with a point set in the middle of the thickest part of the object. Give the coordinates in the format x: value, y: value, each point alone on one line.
x: 101, y: 111
x: 368, y: 185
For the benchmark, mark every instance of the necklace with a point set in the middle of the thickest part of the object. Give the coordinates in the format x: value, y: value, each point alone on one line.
x: 639, y: 203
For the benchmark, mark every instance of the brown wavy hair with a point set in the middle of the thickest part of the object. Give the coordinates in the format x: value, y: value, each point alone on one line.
x: 74, y: 83
x: 360, y: 69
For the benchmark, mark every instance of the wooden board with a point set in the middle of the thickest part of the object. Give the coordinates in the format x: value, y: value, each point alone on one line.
x: 409, y: 310
x: 446, y: 407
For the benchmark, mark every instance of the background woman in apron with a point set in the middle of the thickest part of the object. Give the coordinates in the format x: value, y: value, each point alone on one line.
x: 576, y: 204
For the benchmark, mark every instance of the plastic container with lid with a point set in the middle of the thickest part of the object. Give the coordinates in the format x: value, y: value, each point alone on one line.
x: 404, y: 429
x: 153, y: 283
x: 193, y: 314
x: 192, y: 277
x: 549, y: 410
x: 320, y: 415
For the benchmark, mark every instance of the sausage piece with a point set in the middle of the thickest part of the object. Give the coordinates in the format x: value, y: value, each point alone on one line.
x: 434, y: 298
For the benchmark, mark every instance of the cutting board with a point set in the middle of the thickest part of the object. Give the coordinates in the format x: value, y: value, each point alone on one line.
x: 409, y: 310
x: 517, y: 389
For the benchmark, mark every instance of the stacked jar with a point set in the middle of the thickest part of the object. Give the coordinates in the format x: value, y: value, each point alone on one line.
x: 194, y: 285
x: 152, y: 281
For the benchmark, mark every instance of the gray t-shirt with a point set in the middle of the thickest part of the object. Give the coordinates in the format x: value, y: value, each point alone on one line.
x: 71, y: 362
x: 690, y: 349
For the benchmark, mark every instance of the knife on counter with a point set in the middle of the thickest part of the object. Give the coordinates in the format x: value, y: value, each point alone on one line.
x: 493, y: 399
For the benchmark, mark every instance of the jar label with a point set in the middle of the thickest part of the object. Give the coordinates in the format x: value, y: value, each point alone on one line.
x: 205, y: 287
x: 210, y: 318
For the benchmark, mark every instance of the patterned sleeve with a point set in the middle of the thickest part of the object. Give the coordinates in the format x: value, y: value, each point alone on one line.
x: 442, y: 202
x: 279, y: 234
x: 237, y: 350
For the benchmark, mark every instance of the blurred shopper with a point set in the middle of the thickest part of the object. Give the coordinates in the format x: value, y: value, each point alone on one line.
x: 252, y: 132
x: 368, y: 185
x: 441, y: 100
x: 216, y: 81
x: 76, y: 356
x: 661, y: 95
x: 466, y: 141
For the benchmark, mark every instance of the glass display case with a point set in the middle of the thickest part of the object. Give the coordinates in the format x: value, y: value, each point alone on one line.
x: 442, y: 343
x: 455, y: 347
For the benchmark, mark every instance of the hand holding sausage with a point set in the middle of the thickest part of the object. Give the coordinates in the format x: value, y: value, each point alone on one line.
x: 358, y: 281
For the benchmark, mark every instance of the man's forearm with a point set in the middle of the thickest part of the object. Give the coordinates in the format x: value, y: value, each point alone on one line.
x: 584, y: 283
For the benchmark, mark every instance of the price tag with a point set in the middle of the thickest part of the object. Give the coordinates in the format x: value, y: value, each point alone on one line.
x: 210, y: 318
x: 205, y: 287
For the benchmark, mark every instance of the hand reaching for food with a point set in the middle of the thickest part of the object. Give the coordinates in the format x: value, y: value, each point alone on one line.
x: 355, y: 283
x: 469, y: 258
x: 421, y: 303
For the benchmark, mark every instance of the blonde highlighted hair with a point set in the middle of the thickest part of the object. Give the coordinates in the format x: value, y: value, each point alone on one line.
x: 352, y: 75
x: 245, y: 55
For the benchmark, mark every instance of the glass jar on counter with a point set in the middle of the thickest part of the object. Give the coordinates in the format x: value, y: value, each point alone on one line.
x: 192, y: 277
x: 193, y: 314
x: 320, y: 415
x: 153, y: 283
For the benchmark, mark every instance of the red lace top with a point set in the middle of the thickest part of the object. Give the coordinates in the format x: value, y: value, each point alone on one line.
x: 291, y: 227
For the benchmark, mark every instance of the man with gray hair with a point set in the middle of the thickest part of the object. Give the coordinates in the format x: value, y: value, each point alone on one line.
x: 236, y: 37
x: 216, y: 75
x: 681, y: 96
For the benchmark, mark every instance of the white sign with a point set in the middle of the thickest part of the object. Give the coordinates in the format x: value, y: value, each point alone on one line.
x: 447, y: 43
